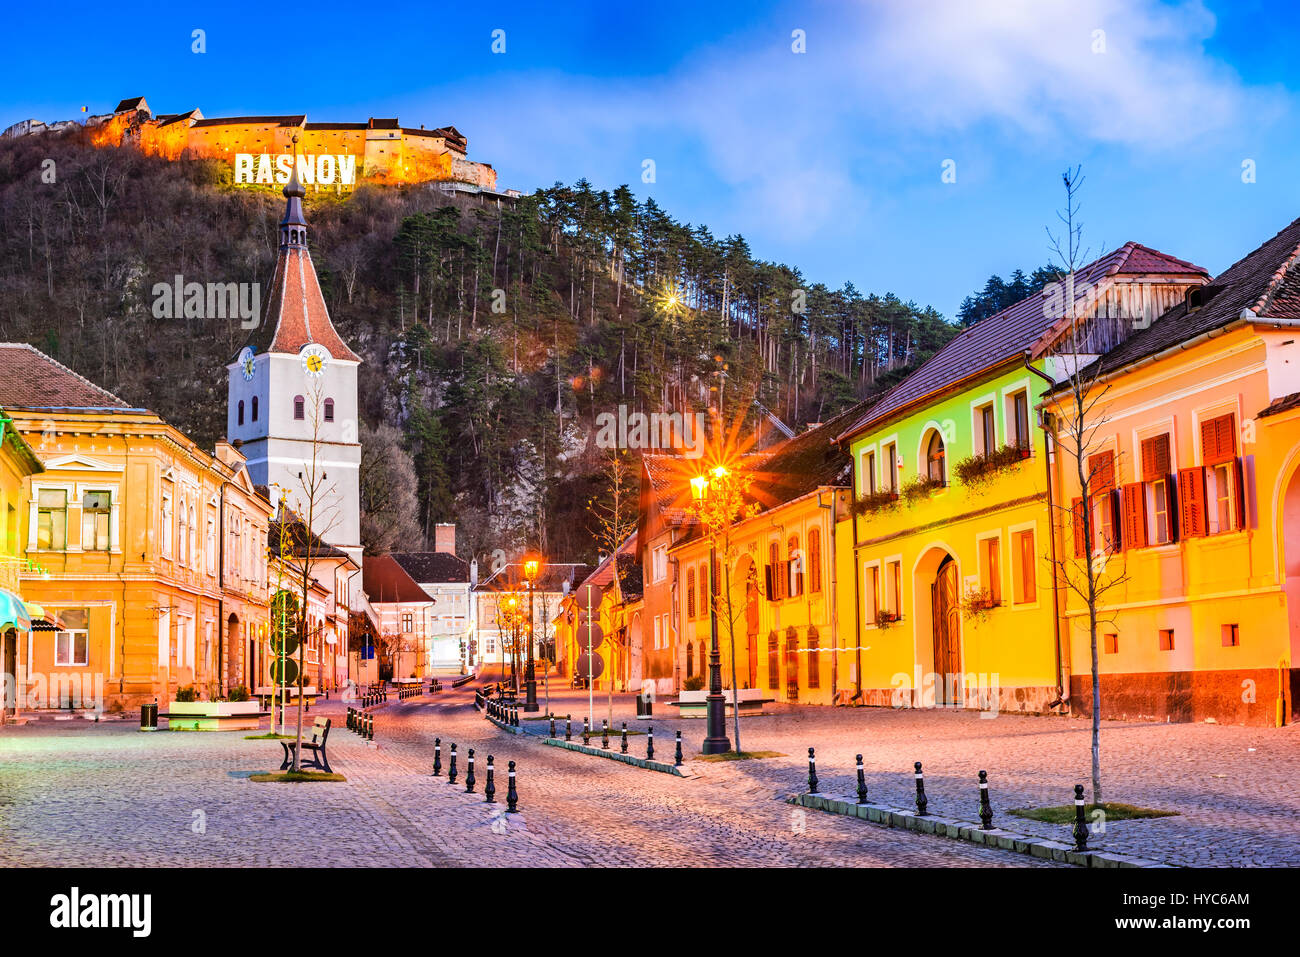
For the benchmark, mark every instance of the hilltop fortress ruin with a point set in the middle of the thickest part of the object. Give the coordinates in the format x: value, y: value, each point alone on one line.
x: 259, y: 148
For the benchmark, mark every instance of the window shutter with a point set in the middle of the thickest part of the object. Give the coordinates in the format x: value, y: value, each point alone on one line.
x: 1191, y: 500
x: 1175, y: 524
x: 1135, y: 515
x: 1117, y: 521
x: 1218, y: 439
x: 771, y: 584
x: 1080, y: 549
x: 1102, y: 468
x: 1241, y: 494
x: 1155, y: 458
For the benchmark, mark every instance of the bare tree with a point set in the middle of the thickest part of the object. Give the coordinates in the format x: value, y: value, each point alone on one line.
x: 1080, y: 419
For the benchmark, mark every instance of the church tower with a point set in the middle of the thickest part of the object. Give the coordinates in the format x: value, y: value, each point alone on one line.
x: 293, y: 393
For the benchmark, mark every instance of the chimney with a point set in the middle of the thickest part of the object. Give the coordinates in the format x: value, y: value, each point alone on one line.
x: 444, y: 537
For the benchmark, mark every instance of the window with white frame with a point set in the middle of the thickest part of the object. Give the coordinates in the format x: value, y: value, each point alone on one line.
x: 871, y: 594
x: 869, y: 473
x: 1157, y: 482
x: 986, y: 431
x: 72, y: 642
x: 210, y: 545
x: 96, y: 519
x: 165, y: 535
x: 52, y: 518
x: 889, y: 460
x: 659, y: 562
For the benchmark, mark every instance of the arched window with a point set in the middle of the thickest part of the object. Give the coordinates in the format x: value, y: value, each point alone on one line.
x: 814, y: 658
x: 706, y: 600
x: 193, y: 532
x: 329, y: 410
x: 795, y: 566
x: 297, y: 406
x: 241, y: 412
x: 690, y: 593
x: 934, y: 458
x: 254, y: 408
x: 773, y: 661
x: 690, y: 660
x: 813, y: 561
x: 181, y: 555
x: 774, y: 577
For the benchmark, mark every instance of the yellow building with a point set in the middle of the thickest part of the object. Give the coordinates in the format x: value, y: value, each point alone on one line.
x: 1193, y: 460
x: 778, y: 563
x: 152, y: 551
x: 17, y: 462
x: 948, y: 559
x: 616, y: 609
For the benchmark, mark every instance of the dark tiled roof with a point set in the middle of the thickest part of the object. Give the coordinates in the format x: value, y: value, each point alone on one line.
x: 1265, y: 281
x: 132, y: 104
x: 335, y: 126
x: 1284, y: 404
x: 809, y: 461
x: 551, y: 579
x: 1009, y: 333
x: 245, y: 120
x: 389, y: 123
x: 385, y: 580
x: 29, y: 379
x: 433, y: 567
x: 299, y: 542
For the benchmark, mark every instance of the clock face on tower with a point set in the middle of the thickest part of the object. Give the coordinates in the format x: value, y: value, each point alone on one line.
x: 313, y: 357
x: 246, y: 364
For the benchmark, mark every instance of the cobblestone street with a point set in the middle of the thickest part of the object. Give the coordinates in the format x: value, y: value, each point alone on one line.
x: 74, y: 793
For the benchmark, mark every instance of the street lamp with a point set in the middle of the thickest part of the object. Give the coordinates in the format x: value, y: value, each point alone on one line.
x: 531, y: 567
x: 716, y: 742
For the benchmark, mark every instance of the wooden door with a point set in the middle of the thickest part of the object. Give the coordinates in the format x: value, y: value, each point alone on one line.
x: 791, y: 666
x: 947, y: 650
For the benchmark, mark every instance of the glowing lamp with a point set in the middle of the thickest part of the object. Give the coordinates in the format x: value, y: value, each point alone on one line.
x: 699, y: 486
x: 530, y: 569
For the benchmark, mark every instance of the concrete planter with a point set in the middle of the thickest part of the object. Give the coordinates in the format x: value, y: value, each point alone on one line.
x: 214, y: 715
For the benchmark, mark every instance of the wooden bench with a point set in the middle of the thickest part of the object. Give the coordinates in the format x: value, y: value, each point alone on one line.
x: 694, y: 704
x: 320, y: 730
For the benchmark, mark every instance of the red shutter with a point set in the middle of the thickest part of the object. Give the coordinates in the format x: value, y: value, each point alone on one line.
x: 1155, y: 458
x: 1117, y: 521
x: 1101, y: 468
x: 771, y: 583
x: 1218, y: 439
x: 1080, y: 550
x: 1135, y: 515
x: 1241, y: 494
x: 1191, y: 500
x: 1175, y: 524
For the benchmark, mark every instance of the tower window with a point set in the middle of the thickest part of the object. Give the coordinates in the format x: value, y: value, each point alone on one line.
x: 329, y: 410
x: 241, y: 412
x: 254, y: 408
x: 297, y: 407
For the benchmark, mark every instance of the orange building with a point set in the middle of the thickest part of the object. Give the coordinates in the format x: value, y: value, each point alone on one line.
x: 145, y: 552
x: 1195, y: 504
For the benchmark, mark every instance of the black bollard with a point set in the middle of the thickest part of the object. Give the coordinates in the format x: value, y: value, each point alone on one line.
x: 512, y: 796
x: 623, y: 744
x: 677, y: 758
x: 862, y: 783
x: 490, y: 788
x: 586, y: 731
x: 568, y: 727
x: 921, y: 803
x: 650, y: 744
x: 451, y: 768
x: 812, y: 772
x: 604, y: 733
x: 986, y: 810
x: 437, y: 757
x: 1080, y: 827
x: 552, y: 727
x: 469, y: 773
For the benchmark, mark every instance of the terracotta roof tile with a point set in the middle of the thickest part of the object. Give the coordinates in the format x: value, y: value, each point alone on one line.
x: 385, y: 580
x: 29, y: 379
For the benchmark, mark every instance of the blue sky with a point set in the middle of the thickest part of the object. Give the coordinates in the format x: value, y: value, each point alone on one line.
x: 829, y: 160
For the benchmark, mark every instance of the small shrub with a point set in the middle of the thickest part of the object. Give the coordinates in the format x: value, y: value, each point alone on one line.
x: 693, y: 683
x: 187, y: 693
x: 886, y: 619
x: 874, y: 502
x: 920, y: 487
x: 238, y: 693
x: 977, y: 470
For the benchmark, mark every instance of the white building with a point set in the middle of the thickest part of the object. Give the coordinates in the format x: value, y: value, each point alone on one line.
x: 449, y: 581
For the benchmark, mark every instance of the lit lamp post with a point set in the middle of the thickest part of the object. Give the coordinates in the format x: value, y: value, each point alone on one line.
x: 716, y: 741
x: 531, y: 566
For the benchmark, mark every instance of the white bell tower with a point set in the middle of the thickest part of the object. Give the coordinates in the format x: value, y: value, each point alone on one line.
x: 292, y: 395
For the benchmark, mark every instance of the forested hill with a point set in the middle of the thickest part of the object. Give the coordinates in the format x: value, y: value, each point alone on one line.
x: 491, y: 338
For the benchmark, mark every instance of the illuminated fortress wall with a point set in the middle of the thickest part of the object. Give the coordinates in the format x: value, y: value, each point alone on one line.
x: 379, y: 150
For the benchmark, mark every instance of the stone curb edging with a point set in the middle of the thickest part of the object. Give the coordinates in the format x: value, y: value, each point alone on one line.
x: 618, y: 756
x: 505, y: 727
x: 971, y: 832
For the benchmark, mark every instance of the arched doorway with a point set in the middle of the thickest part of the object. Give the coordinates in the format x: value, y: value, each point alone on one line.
x: 10, y: 677
x: 946, y: 630
x: 791, y: 665
x: 747, y: 572
x: 232, y: 652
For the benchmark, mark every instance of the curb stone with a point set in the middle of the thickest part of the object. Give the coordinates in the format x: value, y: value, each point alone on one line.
x: 618, y: 756
x: 968, y: 831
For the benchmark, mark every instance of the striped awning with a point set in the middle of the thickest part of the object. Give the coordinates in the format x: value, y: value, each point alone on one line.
x: 14, y: 612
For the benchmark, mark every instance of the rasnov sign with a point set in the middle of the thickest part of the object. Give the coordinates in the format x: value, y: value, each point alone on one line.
x: 323, y: 169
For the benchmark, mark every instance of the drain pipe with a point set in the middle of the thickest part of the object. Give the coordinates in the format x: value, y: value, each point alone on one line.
x: 1062, y: 697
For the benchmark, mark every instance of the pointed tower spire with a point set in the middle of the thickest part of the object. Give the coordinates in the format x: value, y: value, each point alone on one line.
x: 293, y: 228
